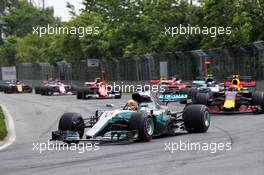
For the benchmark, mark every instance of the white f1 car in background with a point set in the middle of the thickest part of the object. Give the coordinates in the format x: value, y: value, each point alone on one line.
x: 54, y: 87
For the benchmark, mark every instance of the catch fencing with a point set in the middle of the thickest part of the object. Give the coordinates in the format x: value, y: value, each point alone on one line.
x: 244, y: 60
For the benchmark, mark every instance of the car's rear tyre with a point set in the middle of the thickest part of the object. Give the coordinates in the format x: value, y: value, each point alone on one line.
x: 44, y: 91
x: 117, y: 92
x: 80, y: 94
x: 47, y: 91
x: 201, y: 98
x: 37, y: 90
x: 5, y: 91
x: 184, y: 91
x: 192, y: 93
x: 72, y: 89
x: 119, y: 95
x: 28, y: 89
x: 144, y: 124
x: 196, y: 118
x: 9, y: 90
x: 258, y: 99
x: 72, y: 122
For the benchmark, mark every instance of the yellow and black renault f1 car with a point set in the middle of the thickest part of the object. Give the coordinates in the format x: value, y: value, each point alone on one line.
x: 15, y: 86
x: 235, y: 98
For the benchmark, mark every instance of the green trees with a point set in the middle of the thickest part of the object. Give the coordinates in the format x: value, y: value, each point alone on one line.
x: 19, y: 17
x: 126, y: 28
x: 20, y: 20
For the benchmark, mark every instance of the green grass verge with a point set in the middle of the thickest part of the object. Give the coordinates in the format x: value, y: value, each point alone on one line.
x: 3, y: 130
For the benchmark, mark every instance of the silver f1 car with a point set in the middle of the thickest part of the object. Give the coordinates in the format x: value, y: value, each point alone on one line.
x: 150, y: 119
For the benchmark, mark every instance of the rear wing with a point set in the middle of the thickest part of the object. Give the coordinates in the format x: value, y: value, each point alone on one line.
x: 242, y: 78
x: 245, y: 81
x: 252, y: 83
x: 152, y: 82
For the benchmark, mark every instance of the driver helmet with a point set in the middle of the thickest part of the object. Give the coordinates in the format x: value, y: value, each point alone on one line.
x: 210, y: 84
x: 132, y: 105
x: 18, y: 82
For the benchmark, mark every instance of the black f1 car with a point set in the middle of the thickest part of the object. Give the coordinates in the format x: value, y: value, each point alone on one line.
x: 149, y: 119
x: 54, y: 87
x: 236, y: 98
x: 15, y: 86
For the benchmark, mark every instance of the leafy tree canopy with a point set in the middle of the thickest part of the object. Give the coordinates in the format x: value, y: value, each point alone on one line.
x: 127, y: 27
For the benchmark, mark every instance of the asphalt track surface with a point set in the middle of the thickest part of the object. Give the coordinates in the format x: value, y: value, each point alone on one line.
x: 36, y: 116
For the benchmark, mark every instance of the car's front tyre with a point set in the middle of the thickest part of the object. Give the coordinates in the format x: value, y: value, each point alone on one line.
x: 144, y: 124
x: 196, y: 118
x: 201, y: 98
x: 258, y: 100
x: 72, y: 122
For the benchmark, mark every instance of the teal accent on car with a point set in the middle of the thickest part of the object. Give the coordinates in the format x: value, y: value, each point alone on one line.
x: 121, y: 116
x: 173, y: 97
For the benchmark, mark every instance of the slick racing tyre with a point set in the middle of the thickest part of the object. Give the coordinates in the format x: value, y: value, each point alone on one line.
x: 196, y: 118
x: 192, y: 93
x: 117, y: 93
x: 144, y: 124
x: 44, y: 91
x: 37, y: 90
x: 82, y: 92
x: 27, y: 89
x: 72, y: 122
x: 47, y: 91
x: 201, y: 98
x: 9, y: 90
x: 258, y: 100
x: 72, y: 89
x: 118, y: 96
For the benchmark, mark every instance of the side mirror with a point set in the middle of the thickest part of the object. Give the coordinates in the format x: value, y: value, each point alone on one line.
x: 98, y: 113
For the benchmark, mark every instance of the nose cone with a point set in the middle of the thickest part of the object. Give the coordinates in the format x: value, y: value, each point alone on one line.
x: 229, y: 104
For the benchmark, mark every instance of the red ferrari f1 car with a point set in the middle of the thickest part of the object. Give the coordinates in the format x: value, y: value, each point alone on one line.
x: 98, y: 90
x: 236, y: 98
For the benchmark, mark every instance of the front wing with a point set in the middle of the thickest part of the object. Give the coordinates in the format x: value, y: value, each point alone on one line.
x: 242, y: 110
x: 111, y: 136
